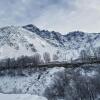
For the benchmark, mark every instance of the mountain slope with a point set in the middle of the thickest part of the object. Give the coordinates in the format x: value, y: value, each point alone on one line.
x: 70, y: 44
x: 16, y: 41
x: 71, y: 40
x: 28, y: 40
x: 56, y: 82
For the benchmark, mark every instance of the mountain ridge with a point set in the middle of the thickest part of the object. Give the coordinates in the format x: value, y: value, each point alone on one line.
x: 29, y: 39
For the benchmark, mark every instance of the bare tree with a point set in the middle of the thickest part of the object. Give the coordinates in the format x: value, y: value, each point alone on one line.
x: 37, y: 59
x: 98, y: 52
x: 8, y: 62
x: 55, y: 57
x: 83, y: 55
x: 46, y: 57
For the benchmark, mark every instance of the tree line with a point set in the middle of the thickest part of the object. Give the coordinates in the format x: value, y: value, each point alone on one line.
x: 90, y: 54
x: 36, y: 59
x: 27, y: 60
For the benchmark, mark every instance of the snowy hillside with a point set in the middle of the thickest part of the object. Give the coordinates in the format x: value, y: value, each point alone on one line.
x: 56, y: 83
x: 36, y: 83
x: 16, y: 41
x: 71, y: 40
x: 69, y: 44
x: 27, y: 40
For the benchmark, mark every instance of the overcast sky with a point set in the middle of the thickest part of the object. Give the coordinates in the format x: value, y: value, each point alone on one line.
x: 59, y: 15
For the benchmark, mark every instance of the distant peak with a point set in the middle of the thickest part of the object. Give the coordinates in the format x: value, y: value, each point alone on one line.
x: 75, y: 33
x: 30, y: 26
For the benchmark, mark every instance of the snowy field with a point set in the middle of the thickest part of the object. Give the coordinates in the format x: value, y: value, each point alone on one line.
x: 20, y: 97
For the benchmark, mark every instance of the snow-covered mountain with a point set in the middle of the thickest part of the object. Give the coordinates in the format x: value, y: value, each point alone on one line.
x: 27, y: 40
x: 17, y: 41
x: 50, y: 82
x: 71, y: 40
x: 69, y: 44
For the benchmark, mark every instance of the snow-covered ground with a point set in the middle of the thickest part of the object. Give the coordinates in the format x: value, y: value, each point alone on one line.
x: 20, y: 97
x: 31, y: 84
x: 47, y: 82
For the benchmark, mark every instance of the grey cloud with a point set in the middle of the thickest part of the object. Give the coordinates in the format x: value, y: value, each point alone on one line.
x: 24, y: 11
x: 58, y: 15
